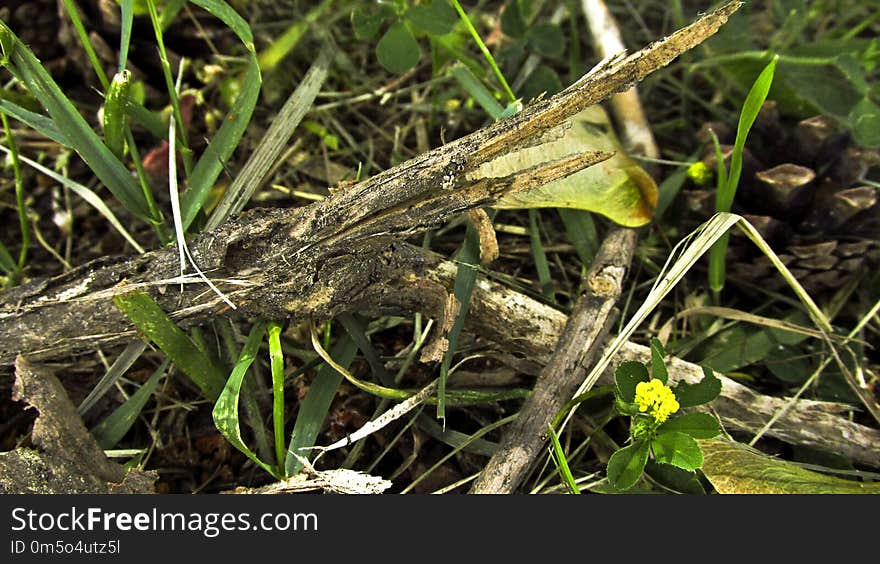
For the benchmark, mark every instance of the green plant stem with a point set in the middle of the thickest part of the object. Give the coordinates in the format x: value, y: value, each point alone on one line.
x: 760, y: 56
x: 276, y: 357
x: 169, y: 84
x: 485, y: 50
x: 156, y: 219
x: 19, y: 195
x: 73, y: 13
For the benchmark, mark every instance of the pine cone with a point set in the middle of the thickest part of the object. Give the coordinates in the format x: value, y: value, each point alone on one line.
x: 801, y: 188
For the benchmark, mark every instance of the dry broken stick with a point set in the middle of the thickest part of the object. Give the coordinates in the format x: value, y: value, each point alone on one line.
x: 527, y: 331
x: 580, y: 342
x: 65, y: 458
x: 325, y: 258
x: 586, y: 329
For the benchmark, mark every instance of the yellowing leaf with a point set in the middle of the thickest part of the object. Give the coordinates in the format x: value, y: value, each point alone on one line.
x: 617, y: 188
x: 737, y: 469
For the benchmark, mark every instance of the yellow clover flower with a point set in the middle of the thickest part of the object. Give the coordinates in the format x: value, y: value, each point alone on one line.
x: 656, y: 399
x: 699, y: 173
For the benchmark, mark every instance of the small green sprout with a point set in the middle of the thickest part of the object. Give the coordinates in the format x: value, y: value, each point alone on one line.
x: 659, y: 428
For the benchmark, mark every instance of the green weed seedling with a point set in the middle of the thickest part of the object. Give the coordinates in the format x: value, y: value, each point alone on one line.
x: 659, y: 429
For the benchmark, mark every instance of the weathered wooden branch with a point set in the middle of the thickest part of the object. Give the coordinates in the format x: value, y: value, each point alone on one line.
x: 578, y: 346
x: 585, y: 332
x: 320, y: 259
x: 528, y: 331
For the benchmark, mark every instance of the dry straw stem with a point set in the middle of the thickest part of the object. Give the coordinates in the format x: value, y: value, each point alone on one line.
x: 327, y: 257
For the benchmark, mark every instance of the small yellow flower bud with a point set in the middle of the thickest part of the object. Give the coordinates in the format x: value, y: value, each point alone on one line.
x: 699, y: 173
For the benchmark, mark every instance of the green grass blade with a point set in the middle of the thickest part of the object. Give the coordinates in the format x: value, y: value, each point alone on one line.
x: 315, y: 406
x: 468, y: 260
x: 562, y: 463
x: 86, y: 194
x: 276, y: 361
x: 727, y: 186
x: 170, y: 9
x: 669, y: 189
x: 148, y: 120
x: 483, y: 49
x: 83, y: 35
x: 110, y: 431
x: 273, y: 143
x: 455, y: 439
x: 23, y: 64
x: 19, y: 194
x: 356, y: 331
x: 224, y: 142
x: 39, y: 123
x: 540, y: 257
x: 581, y: 231
x: 173, y: 94
x: 122, y: 363
x: 153, y: 323
x: 478, y: 91
x: 126, y: 21
x: 280, y: 47
x: 226, y: 409
x: 754, y: 100
x: 7, y: 263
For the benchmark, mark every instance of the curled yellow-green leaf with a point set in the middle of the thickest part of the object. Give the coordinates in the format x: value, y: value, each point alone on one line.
x: 617, y: 188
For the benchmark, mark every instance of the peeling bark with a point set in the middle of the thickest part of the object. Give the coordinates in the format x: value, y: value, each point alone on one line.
x: 320, y: 259
x: 66, y: 458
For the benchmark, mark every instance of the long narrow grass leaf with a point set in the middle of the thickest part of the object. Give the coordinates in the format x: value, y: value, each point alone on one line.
x: 170, y: 9
x: 19, y: 194
x: 83, y: 35
x: 224, y: 142
x: 356, y: 331
x: 752, y: 106
x: 273, y: 142
x: 38, y: 122
x: 477, y: 91
x: 125, y: 22
x: 7, y: 263
x: 276, y: 363
x: 86, y: 194
x: 561, y: 462
x: 316, y: 405
x: 226, y: 409
x: 153, y: 323
x: 122, y: 363
x: 110, y: 431
x: 23, y: 64
x: 465, y: 278
x: 727, y: 186
x: 174, y: 196
x: 483, y: 49
x: 581, y: 231
x: 281, y: 46
x: 455, y: 439
x: 173, y: 92
x: 542, y: 267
